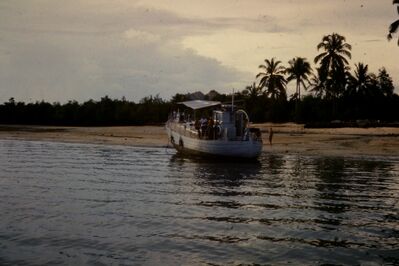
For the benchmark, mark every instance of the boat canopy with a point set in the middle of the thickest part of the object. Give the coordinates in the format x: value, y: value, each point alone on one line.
x: 199, y: 104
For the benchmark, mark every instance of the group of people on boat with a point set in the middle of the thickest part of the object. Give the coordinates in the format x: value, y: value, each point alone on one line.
x: 207, y: 128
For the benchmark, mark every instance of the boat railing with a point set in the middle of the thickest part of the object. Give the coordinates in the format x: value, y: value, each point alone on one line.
x: 217, y: 133
x: 184, y: 128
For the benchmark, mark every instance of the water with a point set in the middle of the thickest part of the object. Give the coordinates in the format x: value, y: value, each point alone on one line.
x: 77, y: 204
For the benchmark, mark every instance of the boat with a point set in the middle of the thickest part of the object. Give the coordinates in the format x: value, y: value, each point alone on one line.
x: 210, y: 128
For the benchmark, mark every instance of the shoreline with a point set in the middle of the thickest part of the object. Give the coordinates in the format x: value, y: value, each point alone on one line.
x: 289, y: 138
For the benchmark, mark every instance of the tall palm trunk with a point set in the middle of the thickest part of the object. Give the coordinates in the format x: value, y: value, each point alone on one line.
x: 298, y: 88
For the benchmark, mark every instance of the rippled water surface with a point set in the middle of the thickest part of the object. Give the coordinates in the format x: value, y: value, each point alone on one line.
x: 111, y: 205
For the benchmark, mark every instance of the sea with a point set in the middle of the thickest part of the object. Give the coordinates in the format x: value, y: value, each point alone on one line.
x: 85, y: 204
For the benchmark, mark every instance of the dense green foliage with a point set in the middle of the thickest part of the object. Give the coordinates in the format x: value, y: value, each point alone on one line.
x: 105, y: 112
x: 336, y: 93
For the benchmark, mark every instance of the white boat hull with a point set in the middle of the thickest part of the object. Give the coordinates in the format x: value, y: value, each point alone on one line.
x: 226, y: 148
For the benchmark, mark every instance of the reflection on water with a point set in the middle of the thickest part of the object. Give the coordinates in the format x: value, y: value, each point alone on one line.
x: 217, y: 173
x: 92, y: 204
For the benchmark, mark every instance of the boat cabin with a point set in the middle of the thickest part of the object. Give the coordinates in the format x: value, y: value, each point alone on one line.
x: 211, y: 120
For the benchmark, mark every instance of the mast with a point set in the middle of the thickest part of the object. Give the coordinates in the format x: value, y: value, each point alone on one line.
x: 232, y: 102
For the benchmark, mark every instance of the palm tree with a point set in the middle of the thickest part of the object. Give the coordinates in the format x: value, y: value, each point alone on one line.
x: 317, y: 84
x: 333, y: 62
x: 273, y: 79
x: 362, y: 82
x: 252, y: 92
x: 299, y: 70
x: 393, y: 28
x: 253, y: 101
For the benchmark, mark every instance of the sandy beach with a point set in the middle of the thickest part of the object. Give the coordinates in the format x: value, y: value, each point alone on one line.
x: 288, y: 138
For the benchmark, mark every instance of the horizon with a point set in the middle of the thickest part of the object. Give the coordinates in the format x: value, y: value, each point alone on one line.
x: 60, y: 51
x: 189, y: 94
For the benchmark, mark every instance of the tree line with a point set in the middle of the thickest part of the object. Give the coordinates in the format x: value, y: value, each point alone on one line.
x: 106, y: 112
x: 335, y: 92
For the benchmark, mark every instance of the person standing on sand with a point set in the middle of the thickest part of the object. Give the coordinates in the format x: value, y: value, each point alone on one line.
x: 270, y: 135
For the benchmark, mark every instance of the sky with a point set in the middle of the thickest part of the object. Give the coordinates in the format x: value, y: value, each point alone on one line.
x: 56, y: 50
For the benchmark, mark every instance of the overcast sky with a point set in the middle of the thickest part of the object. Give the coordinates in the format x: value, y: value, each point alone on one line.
x: 62, y: 50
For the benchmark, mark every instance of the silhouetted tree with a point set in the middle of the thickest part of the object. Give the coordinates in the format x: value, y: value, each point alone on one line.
x: 385, y: 82
x: 318, y: 87
x: 361, y: 82
x: 333, y: 63
x: 272, y: 79
x: 252, y: 92
x: 395, y: 25
x: 300, y: 71
x: 254, y: 102
x: 178, y: 97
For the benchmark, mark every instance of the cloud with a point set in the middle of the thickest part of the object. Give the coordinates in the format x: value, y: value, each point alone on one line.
x: 260, y: 24
x: 80, y: 52
x: 141, y: 36
x: 373, y: 40
x: 60, y: 68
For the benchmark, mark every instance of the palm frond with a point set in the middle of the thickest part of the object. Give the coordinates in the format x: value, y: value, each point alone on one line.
x: 393, y: 28
x: 347, y: 46
x: 304, y: 84
x: 291, y: 77
x: 260, y: 74
x: 279, y: 70
x: 346, y: 53
x: 306, y: 78
x: 262, y: 82
x: 320, y: 56
x: 321, y: 45
x: 268, y: 62
x: 344, y: 60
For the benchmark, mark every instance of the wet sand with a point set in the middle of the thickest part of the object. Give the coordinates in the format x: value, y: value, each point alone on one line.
x: 287, y: 138
x: 294, y: 138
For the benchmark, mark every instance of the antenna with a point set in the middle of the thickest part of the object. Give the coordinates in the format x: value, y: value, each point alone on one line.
x: 232, y: 102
